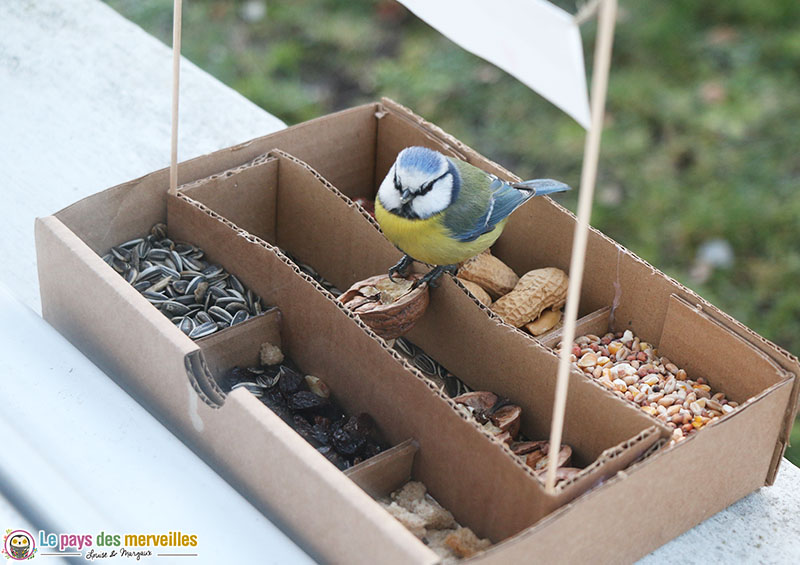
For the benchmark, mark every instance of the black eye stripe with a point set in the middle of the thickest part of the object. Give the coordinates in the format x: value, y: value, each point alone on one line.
x: 426, y: 188
x: 397, y: 182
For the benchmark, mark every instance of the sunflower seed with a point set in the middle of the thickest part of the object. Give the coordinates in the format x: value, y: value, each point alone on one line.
x: 150, y: 272
x: 180, y: 286
x: 174, y: 308
x: 186, y: 325
x: 131, y: 274
x: 184, y: 248
x: 141, y: 286
x: 404, y: 347
x: 170, y: 272
x: 202, y: 317
x: 217, y: 292
x: 212, y: 271
x: 119, y: 266
x: 159, y: 231
x: 240, y: 316
x: 235, y: 307
x: 254, y: 389
x: 235, y: 284
x: 131, y: 243
x: 203, y: 330
x: 425, y: 364
x: 176, y: 258
x: 191, y: 287
x: 157, y: 254
x: 121, y: 254
x: 155, y: 297
x: 225, y: 300
x: 220, y: 314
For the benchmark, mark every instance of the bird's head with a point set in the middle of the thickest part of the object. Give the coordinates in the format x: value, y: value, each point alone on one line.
x: 420, y: 184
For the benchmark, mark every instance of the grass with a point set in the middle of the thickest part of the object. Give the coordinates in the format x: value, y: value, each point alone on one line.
x: 700, y: 144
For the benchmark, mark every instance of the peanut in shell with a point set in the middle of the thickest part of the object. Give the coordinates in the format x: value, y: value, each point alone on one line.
x: 490, y: 273
x: 477, y: 291
x: 536, y: 291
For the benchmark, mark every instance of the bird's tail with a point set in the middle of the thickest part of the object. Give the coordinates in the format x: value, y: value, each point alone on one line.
x: 541, y: 186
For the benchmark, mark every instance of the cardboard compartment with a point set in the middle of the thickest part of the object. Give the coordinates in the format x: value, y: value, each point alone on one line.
x: 472, y: 476
x: 300, y: 212
x: 348, y: 356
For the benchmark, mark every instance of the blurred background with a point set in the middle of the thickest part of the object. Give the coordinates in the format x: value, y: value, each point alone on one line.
x: 700, y: 162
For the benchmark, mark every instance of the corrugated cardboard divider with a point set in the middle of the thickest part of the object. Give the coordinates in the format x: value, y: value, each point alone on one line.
x: 386, y: 472
x: 149, y: 357
x: 318, y: 225
x: 470, y: 475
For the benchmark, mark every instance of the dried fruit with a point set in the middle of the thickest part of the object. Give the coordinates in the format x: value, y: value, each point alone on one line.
x: 290, y: 382
x: 536, y: 290
x: 390, y: 309
x: 306, y: 400
x: 490, y: 273
x: 477, y: 291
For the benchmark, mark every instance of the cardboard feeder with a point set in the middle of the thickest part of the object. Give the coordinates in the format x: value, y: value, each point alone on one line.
x: 293, y: 190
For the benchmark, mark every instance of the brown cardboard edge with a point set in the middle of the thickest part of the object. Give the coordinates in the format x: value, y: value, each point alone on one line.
x: 585, y: 324
x: 243, y: 406
x: 780, y: 371
x: 51, y: 226
x: 387, y: 471
x: 612, y: 461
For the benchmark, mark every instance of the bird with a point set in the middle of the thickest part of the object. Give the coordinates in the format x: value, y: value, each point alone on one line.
x: 442, y: 211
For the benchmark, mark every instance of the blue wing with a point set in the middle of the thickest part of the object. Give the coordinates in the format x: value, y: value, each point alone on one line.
x: 503, y: 200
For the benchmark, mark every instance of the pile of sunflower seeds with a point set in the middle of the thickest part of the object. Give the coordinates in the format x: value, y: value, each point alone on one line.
x: 199, y: 297
x: 312, y: 272
x: 436, y: 373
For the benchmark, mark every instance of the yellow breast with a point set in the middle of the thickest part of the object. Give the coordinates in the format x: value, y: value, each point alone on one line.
x: 429, y: 240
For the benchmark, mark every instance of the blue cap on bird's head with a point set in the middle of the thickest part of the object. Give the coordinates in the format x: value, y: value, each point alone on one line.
x: 422, y: 159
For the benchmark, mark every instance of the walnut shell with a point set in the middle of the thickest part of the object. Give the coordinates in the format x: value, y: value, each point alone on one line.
x: 390, y: 309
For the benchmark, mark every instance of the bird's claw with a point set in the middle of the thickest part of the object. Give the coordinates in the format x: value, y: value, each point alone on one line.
x: 432, y: 277
x: 401, y: 268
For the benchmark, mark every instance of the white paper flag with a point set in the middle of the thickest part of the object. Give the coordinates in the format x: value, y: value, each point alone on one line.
x: 533, y: 40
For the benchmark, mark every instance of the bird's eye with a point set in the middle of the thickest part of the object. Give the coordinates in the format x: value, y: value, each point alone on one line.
x: 397, y: 182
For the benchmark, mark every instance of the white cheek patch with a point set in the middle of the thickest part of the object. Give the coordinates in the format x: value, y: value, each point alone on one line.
x: 436, y: 200
x: 387, y: 193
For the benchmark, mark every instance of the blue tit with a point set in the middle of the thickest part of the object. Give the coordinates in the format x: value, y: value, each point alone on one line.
x: 442, y: 211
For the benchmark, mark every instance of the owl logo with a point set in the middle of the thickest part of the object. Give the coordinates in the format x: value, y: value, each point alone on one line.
x: 18, y: 545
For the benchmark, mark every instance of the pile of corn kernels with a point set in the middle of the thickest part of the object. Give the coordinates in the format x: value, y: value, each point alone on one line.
x: 633, y: 370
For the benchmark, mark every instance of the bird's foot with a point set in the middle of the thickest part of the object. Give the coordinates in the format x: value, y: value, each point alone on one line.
x: 433, y: 275
x: 401, y: 268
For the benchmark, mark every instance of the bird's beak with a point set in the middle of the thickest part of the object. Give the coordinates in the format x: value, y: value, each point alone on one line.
x: 406, y: 196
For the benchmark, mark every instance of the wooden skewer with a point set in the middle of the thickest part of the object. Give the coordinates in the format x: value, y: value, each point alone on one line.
x: 602, y: 63
x: 176, y: 77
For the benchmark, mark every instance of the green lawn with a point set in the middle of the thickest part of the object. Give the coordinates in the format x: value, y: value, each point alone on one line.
x: 701, y: 144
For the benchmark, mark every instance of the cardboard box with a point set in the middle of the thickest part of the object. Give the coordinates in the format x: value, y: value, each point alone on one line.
x: 292, y: 190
